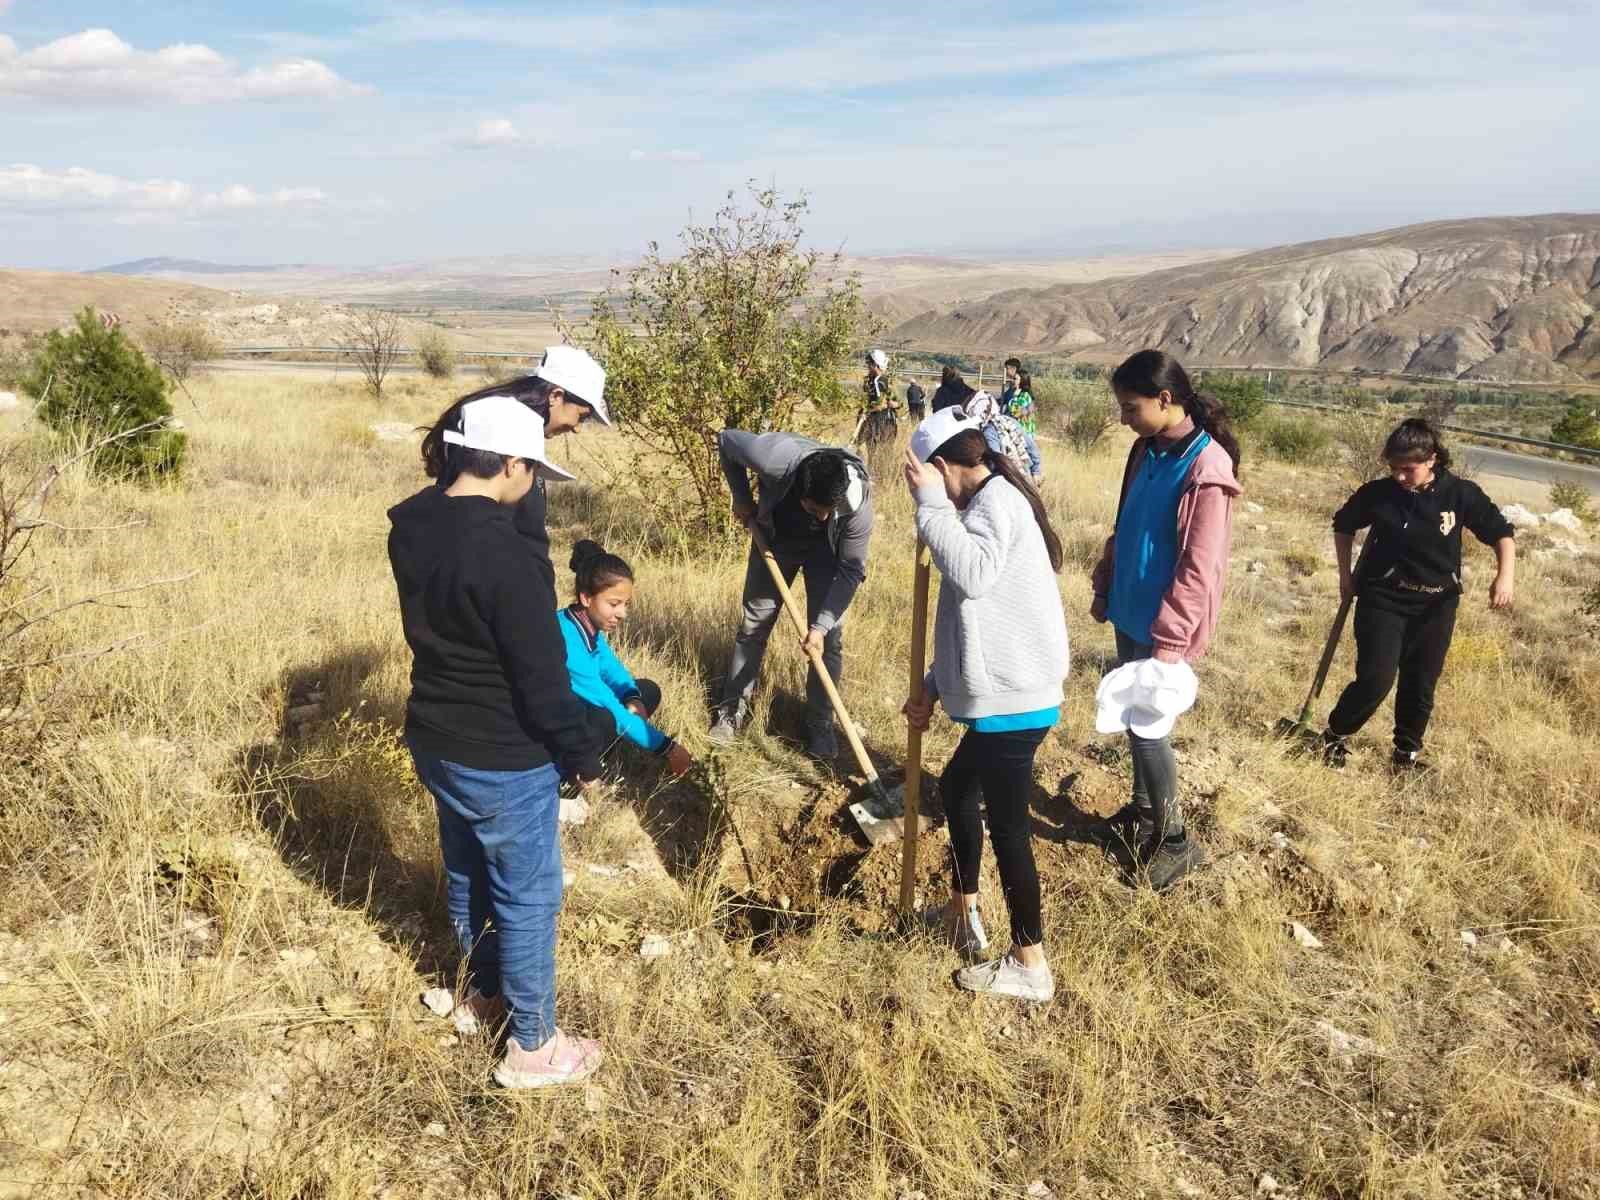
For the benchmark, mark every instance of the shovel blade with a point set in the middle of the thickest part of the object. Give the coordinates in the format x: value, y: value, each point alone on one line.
x: 880, y: 814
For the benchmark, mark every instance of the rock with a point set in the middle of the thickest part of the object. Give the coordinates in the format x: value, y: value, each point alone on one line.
x: 1266, y: 1185
x: 9, y: 401
x: 655, y: 945
x: 1304, y: 936
x: 1468, y: 938
x: 1564, y: 518
x: 1256, y: 568
x: 1520, y: 518
x: 1280, y: 840
x: 1342, y: 1045
x: 434, y: 1129
x: 1251, y: 507
x: 1261, y: 528
x: 1505, y: 945
x: 1038, y: 1190
x: 392, y: 431
x: 574, y: 810
x: 439, y: 1001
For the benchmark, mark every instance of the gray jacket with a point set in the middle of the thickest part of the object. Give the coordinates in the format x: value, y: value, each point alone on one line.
x: 775, y: 458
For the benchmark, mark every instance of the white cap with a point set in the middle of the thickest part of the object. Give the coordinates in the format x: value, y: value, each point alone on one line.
x: 938, y: 429
x: 879, y: 360
x: 578, y: 375
x: 504, y: 425
x: 1146, y: 696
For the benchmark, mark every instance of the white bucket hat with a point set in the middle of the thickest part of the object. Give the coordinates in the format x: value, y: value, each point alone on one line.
x: 879, y: 360
x: 576, y: 373
x: 938, y: 429
x: 504, y: 425
x: 1147, y: 696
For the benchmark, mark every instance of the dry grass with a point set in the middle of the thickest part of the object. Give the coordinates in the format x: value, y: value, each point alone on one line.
x: 219, y: 919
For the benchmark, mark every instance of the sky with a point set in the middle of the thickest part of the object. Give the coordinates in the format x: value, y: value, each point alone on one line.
x: 363, y: 132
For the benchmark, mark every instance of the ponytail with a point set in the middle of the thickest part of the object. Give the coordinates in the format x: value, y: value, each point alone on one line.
x: 968, y: 449
x: 1151, y: 372
x: 442, y: 461
x: 595, y: 569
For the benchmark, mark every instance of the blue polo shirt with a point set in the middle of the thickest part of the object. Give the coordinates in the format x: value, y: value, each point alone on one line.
x: 1146, y: 554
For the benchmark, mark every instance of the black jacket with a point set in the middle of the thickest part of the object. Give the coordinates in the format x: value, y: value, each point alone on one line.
x: 951, y: 395
x: 1416, y: 536
x: 489, y: 683
x: 914, y: 395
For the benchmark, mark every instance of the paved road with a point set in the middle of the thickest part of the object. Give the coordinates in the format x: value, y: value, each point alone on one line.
x: 1532, y: 468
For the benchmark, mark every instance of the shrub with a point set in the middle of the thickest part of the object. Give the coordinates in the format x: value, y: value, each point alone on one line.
x: 1570, y: 494
x: 16, y: 361
x: 1358, y: 439
x: 436, y: 353
x: 373, y: 338
x: 1579, y: 425
x: 1078, y: 412
x: 743, y: 329
x: 91, y: 384
x: 178, y: 347
x: 1293, y: 439
x: 1244, y: 396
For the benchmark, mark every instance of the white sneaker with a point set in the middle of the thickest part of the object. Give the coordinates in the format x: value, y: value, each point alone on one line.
x: 1005, y: 976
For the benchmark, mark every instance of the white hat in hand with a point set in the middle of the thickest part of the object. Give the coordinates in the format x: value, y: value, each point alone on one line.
x: 504, y: 425
x: 938, y: 429
x: 577, y: 374
x: 1147, y: 697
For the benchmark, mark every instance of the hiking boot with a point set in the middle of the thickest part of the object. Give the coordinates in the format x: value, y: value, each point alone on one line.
x: 1408, y: 762
x: 965, y: 933
x: 1006, y: 976
x: 560, y: 1061
x: 1335, y: 751
x: 1172, y: 860
x: 725, y: 729
x: 822, y: 743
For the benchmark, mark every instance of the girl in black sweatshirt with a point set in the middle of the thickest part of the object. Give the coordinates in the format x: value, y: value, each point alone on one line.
x: 1409, y: 583
x: 492, y: 723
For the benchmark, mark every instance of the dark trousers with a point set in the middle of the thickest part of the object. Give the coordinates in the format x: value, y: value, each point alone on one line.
x: 998, y: 769
x: 604, y: 724
x: 1396, y: 635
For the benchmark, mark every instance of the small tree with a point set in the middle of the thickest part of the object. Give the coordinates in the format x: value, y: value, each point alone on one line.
x: 436, y: 353
x: 745, y: 329
x: 92, y: 384
x: 1579, y: 425
x: 1078, y: 411
x: 1244, y: 396
x: 373, y: 338
x: 178, y: 347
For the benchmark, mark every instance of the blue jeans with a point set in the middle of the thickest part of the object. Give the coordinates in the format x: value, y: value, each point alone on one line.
x: 502, y: 860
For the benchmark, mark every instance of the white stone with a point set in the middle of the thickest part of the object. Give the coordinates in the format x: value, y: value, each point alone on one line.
x: 1468, y: 938
x: 655, y: 945
x: 1520, y: 518
x: 1304, y: 936
x: 1563, y: 518
x: 434, y: 1129
x: 1261, y: 528
x: 8, y: 401
x: 439, y: 1001
x: 1266, y: 1185
x: 1505, y: 945
x: 1251, y: 507
x: 1280, y: 840
x: 574, y: 810
x: 1038, y: 1190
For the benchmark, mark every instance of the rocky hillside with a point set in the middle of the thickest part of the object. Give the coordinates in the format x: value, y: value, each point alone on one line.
x: 1510, y: 298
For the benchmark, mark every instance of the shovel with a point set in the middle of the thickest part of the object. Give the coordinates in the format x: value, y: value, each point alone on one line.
x: 876, y: 808
x: 912, y: 821
x: 1301, y: 726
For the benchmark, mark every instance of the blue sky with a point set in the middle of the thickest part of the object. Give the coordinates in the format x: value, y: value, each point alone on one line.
x: 351, y: 131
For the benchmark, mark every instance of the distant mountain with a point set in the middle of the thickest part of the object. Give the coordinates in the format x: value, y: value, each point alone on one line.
x: 184, y: 266
x: 1494, y: 298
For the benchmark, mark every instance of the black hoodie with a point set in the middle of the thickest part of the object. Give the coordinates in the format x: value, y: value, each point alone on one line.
x: 489, y: 683
x: 1416, y: 536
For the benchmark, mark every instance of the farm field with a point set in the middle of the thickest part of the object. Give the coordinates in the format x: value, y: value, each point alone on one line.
x: 226, y: 898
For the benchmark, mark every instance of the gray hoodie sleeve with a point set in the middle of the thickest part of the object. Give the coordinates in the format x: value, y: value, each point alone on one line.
x: 855, y: 530
x: 735, y: 447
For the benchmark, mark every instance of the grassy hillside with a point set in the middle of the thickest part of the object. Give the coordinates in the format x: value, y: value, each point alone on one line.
x: 225, y: 898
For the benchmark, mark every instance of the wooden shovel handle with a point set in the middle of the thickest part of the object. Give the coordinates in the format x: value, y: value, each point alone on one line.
x: 913, y: 789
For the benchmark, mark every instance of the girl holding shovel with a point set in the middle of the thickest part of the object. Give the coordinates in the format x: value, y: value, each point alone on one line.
x: 1159, y: 580
x: 1410, y: 584
x: 1000, y: 656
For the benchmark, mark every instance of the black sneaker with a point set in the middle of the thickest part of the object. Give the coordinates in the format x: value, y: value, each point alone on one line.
x: 1408, y: 762
x: 1172, y: 860
x: 1335, y: 751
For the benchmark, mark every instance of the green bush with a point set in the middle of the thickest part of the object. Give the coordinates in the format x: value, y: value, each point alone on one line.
x: 436, y: 353
x: 1078, y: 412
x: 1292, y: 439
x: 1579, y: 426
x: 92, y: 384
x: 1244, y: 396
x: 1570, y: 494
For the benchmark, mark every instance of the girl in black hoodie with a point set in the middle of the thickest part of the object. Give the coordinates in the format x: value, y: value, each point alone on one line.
x: 492, y: 723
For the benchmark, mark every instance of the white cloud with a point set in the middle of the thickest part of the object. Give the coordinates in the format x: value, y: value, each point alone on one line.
x: 38, y: 189
x: 494, y: 133
x: 673, y: 156
x: 98, y: 65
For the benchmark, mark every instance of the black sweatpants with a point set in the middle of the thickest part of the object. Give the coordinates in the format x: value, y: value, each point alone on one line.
x: 998, y: 769
x: 604, y: 725
x: 1397, y: 633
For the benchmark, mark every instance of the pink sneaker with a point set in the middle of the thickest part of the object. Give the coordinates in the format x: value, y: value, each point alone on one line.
x: 561, y: 1060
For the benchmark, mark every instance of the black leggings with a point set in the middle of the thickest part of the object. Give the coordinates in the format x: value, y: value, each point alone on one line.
x: 998, y: 768
x: 604, y: 724
x: 1396, y: 635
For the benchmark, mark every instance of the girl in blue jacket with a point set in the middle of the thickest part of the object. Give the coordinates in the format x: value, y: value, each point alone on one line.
x: 617, y: 705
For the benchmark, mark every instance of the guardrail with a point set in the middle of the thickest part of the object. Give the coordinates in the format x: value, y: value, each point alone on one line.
x: 1518, y: 439
x: 252, y: 351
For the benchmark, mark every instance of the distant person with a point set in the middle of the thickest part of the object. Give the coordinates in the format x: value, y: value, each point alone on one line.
x: 616, y: 705
x: 1008, y: 391
x: 916, y: 401
x: 815, y: 511
x: 567, y: 389
x: 879, y: 421
x: 1410, y: 584
x: 492, y: 723
x: 1159, y: 582
x: 1022, y: 404
x: 952, y: 391
x: 1000, y: 656
x: 1005, y: 435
